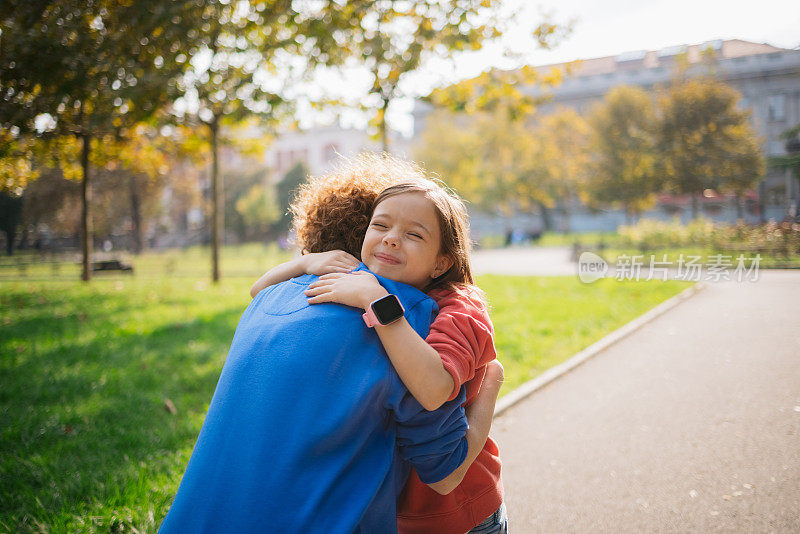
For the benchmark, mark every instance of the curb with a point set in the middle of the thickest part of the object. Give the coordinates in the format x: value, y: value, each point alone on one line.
x: 528, y: 388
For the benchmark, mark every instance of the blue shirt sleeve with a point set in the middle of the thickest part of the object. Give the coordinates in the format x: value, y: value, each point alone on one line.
x: 433, y: 443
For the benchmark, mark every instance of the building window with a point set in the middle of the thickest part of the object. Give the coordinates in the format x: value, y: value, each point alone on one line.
x: 775, y: 148
x: 777, y: 107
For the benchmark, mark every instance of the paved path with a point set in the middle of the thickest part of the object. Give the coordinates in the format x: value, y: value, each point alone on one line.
x: 691, y: 424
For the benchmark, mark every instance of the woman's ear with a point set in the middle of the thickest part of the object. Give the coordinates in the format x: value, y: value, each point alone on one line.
x: 443, y: 263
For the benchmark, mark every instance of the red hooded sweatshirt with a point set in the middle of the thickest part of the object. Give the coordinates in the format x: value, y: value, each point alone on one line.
x: 463, y: 336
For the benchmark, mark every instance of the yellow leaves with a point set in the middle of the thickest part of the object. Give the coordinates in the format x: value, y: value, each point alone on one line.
x: 553, y: 78
x: 15, y: 173
x: 505, y: 90
x: 708, y: 141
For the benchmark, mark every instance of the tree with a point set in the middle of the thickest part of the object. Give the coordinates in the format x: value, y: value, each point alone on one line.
x: 52, y: 201
x: 500, y: 163
x: 472, y: 154
x: 705, y: 141
x: 239, y: 184
x: 142, y: 164
x: 88, y: 70
x: 560, y: 154
x: 10, y: 217
x: 285, y: 191
x: 241, y: 62
x: 623, y: 156
x: 479, y: 136
x: 517, y: 92
x: 259, y: 209
x: 489, y: 159
x: 398, y: 37
x: 16, y: 161
x: 791, y: 160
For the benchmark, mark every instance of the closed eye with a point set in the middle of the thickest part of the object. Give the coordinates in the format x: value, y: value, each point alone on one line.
x: 414, y: 234
x: 379, y: 225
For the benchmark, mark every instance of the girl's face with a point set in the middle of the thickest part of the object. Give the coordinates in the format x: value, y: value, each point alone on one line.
x: 403, y: 241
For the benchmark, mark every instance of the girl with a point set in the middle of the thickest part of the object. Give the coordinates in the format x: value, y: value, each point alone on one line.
x: 418, y: 234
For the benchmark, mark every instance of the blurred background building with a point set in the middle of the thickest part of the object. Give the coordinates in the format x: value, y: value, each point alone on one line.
x: 767, y: 77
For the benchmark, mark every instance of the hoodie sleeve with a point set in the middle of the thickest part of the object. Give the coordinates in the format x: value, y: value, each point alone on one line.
x: 463, y: 335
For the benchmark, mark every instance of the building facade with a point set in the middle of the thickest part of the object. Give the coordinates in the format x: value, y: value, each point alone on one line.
x: 316, y: 148
x: 767, y: 77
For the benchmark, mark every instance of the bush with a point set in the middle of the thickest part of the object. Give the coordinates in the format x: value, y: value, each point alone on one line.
x: 777, y: 239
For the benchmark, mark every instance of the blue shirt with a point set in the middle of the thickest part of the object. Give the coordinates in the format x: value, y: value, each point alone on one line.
x: 310, y: 428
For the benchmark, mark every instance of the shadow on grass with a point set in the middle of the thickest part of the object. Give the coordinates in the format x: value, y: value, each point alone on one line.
x: 84, y: 413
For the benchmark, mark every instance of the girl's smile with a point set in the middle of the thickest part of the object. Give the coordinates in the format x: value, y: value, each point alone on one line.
x: 403, y: 240
x: 391, y: 260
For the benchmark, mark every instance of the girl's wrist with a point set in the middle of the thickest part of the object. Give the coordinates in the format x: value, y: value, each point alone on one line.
x: 368, y: 297
x: 302, y: 264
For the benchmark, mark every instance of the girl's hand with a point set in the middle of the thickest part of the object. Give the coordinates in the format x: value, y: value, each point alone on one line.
x: 333, y: 261
x: 358, y: 289
x: 495, y: 374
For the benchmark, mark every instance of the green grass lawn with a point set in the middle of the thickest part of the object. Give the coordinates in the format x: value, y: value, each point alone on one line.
x: 541, y: 321
x: 89, y: 373
x: 246, y: 260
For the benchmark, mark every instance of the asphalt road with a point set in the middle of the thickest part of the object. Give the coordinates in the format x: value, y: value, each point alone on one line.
x: 690, y: 424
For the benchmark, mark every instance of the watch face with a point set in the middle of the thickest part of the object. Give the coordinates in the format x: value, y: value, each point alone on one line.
x: 387, y: 309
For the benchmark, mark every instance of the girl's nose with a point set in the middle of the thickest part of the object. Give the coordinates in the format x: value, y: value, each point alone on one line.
x: 390, y: 239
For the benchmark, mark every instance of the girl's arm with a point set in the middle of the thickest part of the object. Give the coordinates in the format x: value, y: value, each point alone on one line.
x: 479, y: 418
x: 417, y: 363
x: 333, y: 261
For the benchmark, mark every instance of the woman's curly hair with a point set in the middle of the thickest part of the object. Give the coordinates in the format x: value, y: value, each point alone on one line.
x: 333, y: 211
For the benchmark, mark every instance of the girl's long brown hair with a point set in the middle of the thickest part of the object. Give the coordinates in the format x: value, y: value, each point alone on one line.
x: 333, y: 211
x: 453, y: 226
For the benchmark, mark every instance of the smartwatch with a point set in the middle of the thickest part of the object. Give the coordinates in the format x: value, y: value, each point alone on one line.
x: 383, y: 311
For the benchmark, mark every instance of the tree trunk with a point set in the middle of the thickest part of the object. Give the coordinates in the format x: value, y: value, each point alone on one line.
x: 10, y: 234
x: 547, y: 221
x: 384, y: 129
x: 10, y: 217
x: 565, y: 226
x: 216, y: 202
x: 695, y: 205
x: 136, y: 216
x: 86, y: 226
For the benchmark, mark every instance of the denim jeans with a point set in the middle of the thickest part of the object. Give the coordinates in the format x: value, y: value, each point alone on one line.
x: 497, y: 523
